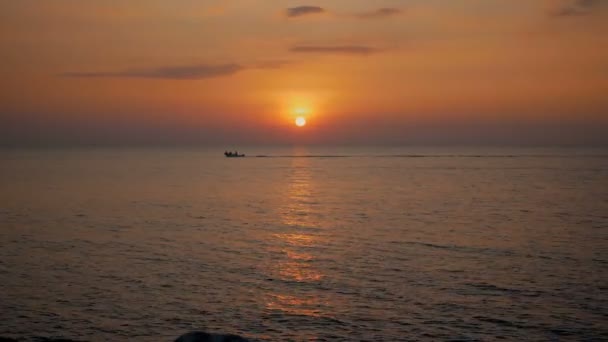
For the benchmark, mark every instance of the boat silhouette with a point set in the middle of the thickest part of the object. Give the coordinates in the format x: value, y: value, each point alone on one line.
x: 234, y: 154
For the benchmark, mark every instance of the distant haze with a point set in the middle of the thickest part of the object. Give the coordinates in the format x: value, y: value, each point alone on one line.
x: 382, y: 72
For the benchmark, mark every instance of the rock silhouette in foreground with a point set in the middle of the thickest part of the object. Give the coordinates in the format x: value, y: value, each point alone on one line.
x: 199, y: 336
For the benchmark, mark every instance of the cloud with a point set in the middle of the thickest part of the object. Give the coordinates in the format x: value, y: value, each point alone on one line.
x: 191, y: 72
x: 380, y: 13
x: 343, y: 49
x: 300, y: 11
x: 270, y: 64
x: 577, y: 8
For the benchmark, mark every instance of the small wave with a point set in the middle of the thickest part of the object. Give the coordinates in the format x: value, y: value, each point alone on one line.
x: 194, y: 336
x: 435, y: 156
x: 463, y: 249
x: 309, y: 156
x: 489, y: 288
x: 502, y: 322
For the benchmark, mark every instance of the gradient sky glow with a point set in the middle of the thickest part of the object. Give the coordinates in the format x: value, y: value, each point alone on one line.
x: 217, y: 71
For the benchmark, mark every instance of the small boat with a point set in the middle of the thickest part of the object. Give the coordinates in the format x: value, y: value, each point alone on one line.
x: 233, y: 155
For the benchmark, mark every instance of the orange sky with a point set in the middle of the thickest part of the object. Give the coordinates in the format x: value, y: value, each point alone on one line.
x: 365, y: 71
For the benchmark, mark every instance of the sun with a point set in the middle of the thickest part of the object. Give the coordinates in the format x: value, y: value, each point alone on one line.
x: 300, y: 121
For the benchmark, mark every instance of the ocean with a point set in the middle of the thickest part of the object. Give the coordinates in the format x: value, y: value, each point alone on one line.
x: 305, y: 243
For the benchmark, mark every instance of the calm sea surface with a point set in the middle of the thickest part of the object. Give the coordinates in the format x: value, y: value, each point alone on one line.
x: 317, y: 243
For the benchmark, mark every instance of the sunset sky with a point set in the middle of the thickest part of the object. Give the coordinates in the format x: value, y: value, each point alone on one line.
x: 359, y: 71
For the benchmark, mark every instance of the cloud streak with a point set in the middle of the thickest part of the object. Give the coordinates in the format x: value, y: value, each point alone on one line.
x: 301, y: 11
x: 277, y: 64
x: 189, y: 72
x: 341, y: 49
x: 577, y: 8
x: 380, y: 13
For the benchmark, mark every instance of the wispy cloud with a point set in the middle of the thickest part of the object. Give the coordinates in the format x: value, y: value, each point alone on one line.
x: 189, y: 72
x: 380, y: 13
x: 340, y: 49
x: 300, y: 11
x: 270, y: 64
x: 577, y: 8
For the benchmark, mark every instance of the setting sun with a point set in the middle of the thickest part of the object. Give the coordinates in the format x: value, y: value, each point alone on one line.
x: 300, y: 121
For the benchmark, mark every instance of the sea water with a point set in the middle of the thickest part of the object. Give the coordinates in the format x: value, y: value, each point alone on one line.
x: 306, y: 243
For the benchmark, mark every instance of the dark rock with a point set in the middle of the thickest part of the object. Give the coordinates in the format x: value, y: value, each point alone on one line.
x: 199, y: 336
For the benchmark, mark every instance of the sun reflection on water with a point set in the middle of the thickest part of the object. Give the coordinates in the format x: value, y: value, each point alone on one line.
x: 295, y: 270
x: 295, y: 305
x: 298, y: 208
x: 298, y: 241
